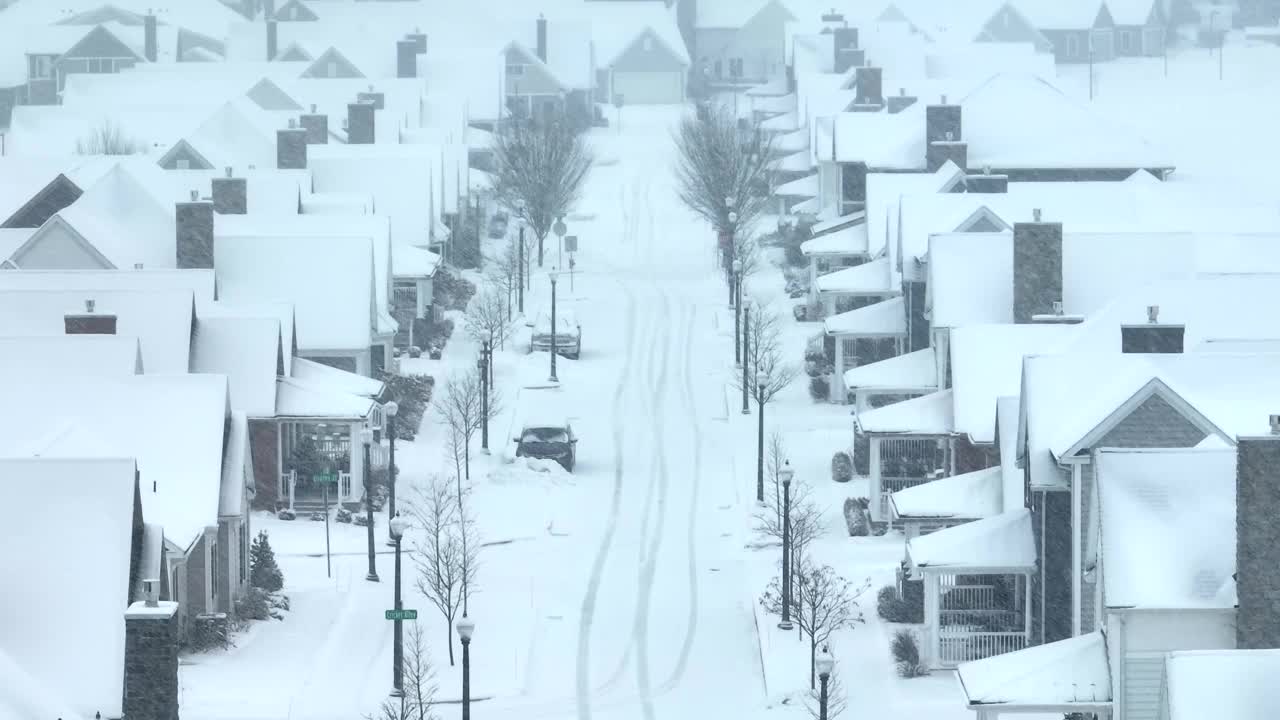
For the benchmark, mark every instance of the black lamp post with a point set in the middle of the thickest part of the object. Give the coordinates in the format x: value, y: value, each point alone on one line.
x: 735, y: 301
x: 732, y: 217
x: 466, y: 626
x: 398, y: 526
x: 553, y: 273
x: 482, y: 365
x: 746, y: 409
x: 389, y: 411
x: 520, y: 257
x: 825, y: 663
x: 762, y: 379
x: 366, y: 439
x: 785, y: 475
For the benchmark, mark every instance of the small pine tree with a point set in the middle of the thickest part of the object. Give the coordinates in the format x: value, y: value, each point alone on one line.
x: 263, y: 571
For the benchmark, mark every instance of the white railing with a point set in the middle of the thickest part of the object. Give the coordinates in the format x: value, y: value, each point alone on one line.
x: 958, y: 645
x: 344, y: 485
x: 968, y: 597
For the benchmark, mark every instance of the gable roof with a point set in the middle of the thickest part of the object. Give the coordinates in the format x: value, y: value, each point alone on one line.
x: 971, y: 495
x: 237, y: 468
x: 925, y: 415
x: 71, y: 641
x: 916, y: 370
x: 999, y: 542
x: 247, y: 351
x: 1062, y: 674
x: 320, y: 375
x: 1146, y: 500
x: 100, y: 355
x: 1057, y: 15
x: 200, y: 283
x: 160, y: 320
x: 281, y: 312
x: 1236, y: 684
x: 237, y: 134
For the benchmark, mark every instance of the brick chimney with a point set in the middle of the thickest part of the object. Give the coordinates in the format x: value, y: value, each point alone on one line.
x: 377, y: 99
x: 986, y: 182
x: 541, y: 48
x: 151, y: 658
x: 194, y: 224
x: 900, y: 102
x: 406, y: 59
x: 1152, y: 336
x: 870, y: 88
x: 941, y: 119
x: 291, y: 148
x: 90, y: 322
x: 317, y: 127
x: 419, y: 40
x: 844, y: 44
x: 271, y: 40
x: 360, y: 127
x: 1037, y: 268
x: 149, y: 37
x: 949, y: 148
x: 230, y: 195
x: 1258, y: 539
x: 853, y: 187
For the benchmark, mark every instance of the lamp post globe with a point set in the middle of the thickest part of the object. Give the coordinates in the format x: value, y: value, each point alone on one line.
x: 366, y: 436
x: 737, y: 264
x: 398, y: 526
x: 391, y: 408
x: 466, y: 626
x: 824, y: 664
x: 786, y: 474
x: 728, y: 200
x: 733, y: 216
x: 762, y: 379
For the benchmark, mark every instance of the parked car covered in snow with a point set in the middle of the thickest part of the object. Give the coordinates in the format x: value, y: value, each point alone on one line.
x: 548, y: 439
x: 568, y: 335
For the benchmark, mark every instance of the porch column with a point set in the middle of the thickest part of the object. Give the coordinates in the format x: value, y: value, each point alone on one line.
x: 1026, y: 609
x: 873, y: 467
x: 280, y: 488
x: 860, y: 400
x: 931, y: 614
x: 835, y: 391
x: 357, y: 463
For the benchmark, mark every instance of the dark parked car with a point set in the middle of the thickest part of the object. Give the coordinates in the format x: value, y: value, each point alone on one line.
x: 549, y: 441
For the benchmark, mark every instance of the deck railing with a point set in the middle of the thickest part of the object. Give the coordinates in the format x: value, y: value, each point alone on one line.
x: 890, y: 485
x: 959, y: 645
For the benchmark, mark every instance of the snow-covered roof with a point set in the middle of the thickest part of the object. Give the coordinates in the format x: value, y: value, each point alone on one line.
x: 302, y: 399
x: 800, y: 161
x: 727, y: 13
x: 851, y: 240
x: 281, y: 312
x: 925, y: 415
x: 917, y: 370
x: 880, y: 139
x: 869, y: 278
x: 161, y: 320
x: 47, y: 130
x: 1236, y: 684
x: 971, y: 496
x: 1060, y: 675
x: 69, y: 640
x: 986, y: 363
x: 336, y: 203
x: 322, y: 276
x: 23, y: 696
x: 237, y: 467
x: 1013, y: 477
x: 806, y: 186
x: 23, y: 177
x: 886, y: 318
x: 247, y: 351
x: 796, y: 141
x: 838, y: 223
x: 618, y: 25
x: 395, y: 175
x: 55, y: 355
x: 884, y: 193
x: 1147, y: 500
x: 321, y: 375
x: 1000, y: 542
x: 199, y: 282
x: 413, y: 262
x: 239, y: 134
x: 1055, y: 15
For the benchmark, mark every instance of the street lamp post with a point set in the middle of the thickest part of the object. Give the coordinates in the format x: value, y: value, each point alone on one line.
x: 390, y: 410
x: 466, y: 626
x: 482, y: 365
x: 366, y: 439
x: 785, y: 475
x: 825, y: 664
x: 735, y: 300
x: 762, y: 379
x: 746, y: 354
x: 520, y: 257
x: 398, y: 526
x: 732, y: 216
x: 553, y: 275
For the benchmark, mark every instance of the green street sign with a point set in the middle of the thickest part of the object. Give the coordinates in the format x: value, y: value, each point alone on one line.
x: 402, y: 614
x: 323, y: 478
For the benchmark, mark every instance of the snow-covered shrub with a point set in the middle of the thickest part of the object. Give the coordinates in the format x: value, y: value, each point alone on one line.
x: 286, y: 514
x: 360, y: 519
x: 412, y: 393
x: 855, y: 517
x: 343, y: 515
x: 818, y: 388
x: 209, y: 631
x: 841, y: 467
x: 255, y: 604
x: 264, y: 573
x: 908, y: 670
x: 799, y: 312
x: 904, y: 648
x: 317, y: 516
x: 415, y: 351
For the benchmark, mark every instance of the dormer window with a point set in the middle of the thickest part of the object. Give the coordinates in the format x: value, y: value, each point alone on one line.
x: 182, y: 164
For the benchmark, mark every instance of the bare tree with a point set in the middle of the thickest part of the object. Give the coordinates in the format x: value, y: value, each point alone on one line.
x: 439, y: 558
x: 107, y: 139
x: 461, y: 411
x: 719, y: 162
x: 764, y: 355
x: 837, y: 700
x: 502, y: 274
x: 539, y: 169
x: 826, y: 603
x: 486, y: 318
x: 418, y: 678
x: 746, y: 250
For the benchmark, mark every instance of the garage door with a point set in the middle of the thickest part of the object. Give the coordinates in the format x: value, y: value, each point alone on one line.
x: 649, y: 88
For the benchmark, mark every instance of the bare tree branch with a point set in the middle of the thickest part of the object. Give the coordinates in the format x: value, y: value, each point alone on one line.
x: 825, y: 603
x: 764, y: 355
x: 460, y: 411
x: 486, y: 319
x: 439, y: 556
x: 539, y: 170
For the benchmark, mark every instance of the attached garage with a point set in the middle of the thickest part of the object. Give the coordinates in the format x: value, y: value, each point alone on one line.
x: 661, y: 87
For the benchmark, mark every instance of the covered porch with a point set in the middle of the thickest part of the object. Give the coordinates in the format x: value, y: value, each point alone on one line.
x: 977, y: 588
x: 908, y: 443
x: 872, y: 332
x: 951, y: 501
x: 1069, y: 678
x: 892, y: 380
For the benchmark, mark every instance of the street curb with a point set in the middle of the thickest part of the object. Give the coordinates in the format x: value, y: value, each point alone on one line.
x: 755, y: 622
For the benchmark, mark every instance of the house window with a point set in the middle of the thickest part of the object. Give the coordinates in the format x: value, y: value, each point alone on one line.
x: 647, y: 44
x: 1126, y: 41
x: 735, y: 67
x: 515, y: 70
x: 719, y: 70
x: 213, y: 570
x: 182, y: 164
x: 1073, y: 46
x: 244, y: 554
x: 41, y: 67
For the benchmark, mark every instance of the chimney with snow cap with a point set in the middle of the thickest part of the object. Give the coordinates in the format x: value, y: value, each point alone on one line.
x: 90, y: 322
x: 941, y: 119
x: 151, y: 658
x: 540, y: 48
x: 949, y: 148
x: 291, y: 147
x: 377, y: 99
x: 193, y: 222
x: 900, y: 102
x: 1037, y: 268
x: 317, y: 127
x: 1257, y: 577
x: 870, y: 95
x: 844, y: 47
x: 986, y: 182
x: 406, y: 59
x: 360, y: 123
x: 419, y: 40
x: 230, y: 195
x: 1152, y: 336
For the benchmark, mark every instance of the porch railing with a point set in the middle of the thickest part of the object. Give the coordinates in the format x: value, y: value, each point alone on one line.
x: 959, y: 645
x: 969, y: 597
x: 890, y: 485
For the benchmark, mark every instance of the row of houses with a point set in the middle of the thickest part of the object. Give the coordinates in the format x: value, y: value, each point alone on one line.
x: 1061, y: 373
